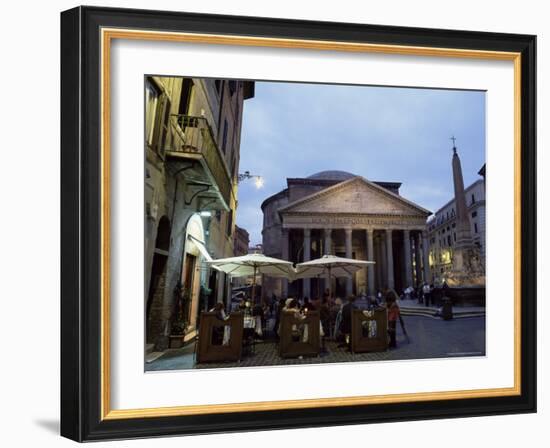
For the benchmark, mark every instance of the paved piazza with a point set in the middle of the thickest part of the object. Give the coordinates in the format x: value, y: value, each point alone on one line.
x: 428, y: 338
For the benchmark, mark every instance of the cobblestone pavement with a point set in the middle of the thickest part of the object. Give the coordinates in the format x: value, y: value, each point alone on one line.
x: 429, y: 338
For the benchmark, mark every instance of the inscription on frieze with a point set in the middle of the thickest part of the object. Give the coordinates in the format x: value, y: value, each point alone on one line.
x: 350, y: 221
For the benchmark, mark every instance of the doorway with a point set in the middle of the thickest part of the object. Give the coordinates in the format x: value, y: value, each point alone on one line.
x: 188, y: 283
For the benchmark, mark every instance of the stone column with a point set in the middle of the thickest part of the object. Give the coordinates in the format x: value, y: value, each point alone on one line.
x: 307, y: 257
x: 426, y: 258
x: 370, y: 257
x: 408, y: 259
x: 349, y: 254
x: 327, y: 249
x: 418, y: 258
x: 284, y: 256
x: 383, y: 271
x: 327, y: 246
x: 389, y: 257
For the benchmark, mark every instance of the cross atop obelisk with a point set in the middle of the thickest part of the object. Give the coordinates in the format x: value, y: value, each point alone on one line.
x: 453, y: 138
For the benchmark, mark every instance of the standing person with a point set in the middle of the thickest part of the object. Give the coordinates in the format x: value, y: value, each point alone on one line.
x: 392, y: 292
x: 347, y: 311
x: 278, y: 317
x: 393, y: 314
x: 316, y: 302
x: 418, y: 292
x: 426, y: 290
x: 324, y: 315
x: 272, y: 303
x: 335, y: 316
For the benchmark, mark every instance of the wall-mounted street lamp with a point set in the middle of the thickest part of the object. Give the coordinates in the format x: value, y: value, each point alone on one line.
x: 258, y: 180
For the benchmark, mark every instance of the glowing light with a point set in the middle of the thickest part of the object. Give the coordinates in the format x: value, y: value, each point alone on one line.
x: 446, y: 256
x: 259, y: 182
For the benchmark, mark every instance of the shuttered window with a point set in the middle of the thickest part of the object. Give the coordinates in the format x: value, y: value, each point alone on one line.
x: 152, y: 94
x: 162, y: 123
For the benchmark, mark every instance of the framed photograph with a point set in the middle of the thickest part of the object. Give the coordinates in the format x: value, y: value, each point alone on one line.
x: 274, y: 224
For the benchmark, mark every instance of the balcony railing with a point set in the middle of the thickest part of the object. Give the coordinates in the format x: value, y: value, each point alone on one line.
x: 192, y: 137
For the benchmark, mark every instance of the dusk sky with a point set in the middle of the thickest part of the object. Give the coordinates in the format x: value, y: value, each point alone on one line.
x: 380, y: 133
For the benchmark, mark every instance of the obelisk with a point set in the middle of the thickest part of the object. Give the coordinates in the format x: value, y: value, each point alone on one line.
x: 466, y: 268
x: 463, y: 231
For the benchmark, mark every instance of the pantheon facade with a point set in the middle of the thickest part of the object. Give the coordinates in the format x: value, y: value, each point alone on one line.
x: 339, y: 213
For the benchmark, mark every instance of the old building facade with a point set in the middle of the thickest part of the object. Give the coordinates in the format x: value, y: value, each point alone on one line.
x: 241, y: 241
x: 192, y: 147
x: 335, y: 212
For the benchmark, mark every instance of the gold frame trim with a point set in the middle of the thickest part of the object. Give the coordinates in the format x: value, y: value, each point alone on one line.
x: 107, y: 35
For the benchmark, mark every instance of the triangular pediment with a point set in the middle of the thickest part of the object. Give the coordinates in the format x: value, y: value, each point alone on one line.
x: 357, y: 196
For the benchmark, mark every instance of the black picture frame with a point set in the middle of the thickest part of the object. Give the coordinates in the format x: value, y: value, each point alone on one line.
x: 81, y: 379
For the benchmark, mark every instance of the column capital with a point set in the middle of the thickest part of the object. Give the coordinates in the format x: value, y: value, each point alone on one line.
x: 348, y: 230
x: 328, y: 232
x: 307, y: 232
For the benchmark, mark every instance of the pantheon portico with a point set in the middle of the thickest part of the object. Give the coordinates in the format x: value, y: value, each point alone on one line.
x: 335, y: 212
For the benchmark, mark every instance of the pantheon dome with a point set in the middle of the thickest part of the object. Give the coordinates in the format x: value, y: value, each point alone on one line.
x: 332, y: 175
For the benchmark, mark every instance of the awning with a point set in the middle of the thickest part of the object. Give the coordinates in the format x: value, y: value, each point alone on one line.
x: 201, y: 246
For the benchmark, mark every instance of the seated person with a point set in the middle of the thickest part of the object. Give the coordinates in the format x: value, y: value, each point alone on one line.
x: 308, y: 305
x: 299, y: 332
x: 219, y: 309
x: 291, y: 305
x: 221, y: 333
x: 373, y: 302
x: 242, y: 304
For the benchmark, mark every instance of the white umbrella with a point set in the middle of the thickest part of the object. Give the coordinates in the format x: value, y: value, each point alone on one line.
x: 252, y: 265
x: 330, y: 265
